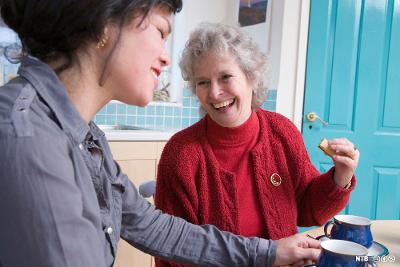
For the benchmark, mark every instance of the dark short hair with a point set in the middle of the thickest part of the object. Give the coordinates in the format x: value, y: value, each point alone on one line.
x: 49, y: 29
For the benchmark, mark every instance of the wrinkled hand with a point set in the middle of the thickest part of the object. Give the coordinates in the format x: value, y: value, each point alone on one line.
x: 345, y: 160
x: 297, y: 250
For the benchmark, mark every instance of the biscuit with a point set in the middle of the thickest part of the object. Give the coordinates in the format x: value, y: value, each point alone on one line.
x: 323, y: 145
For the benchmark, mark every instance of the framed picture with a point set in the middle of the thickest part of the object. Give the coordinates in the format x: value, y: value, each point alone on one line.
x: 254, y: 16
x: 252, y: 12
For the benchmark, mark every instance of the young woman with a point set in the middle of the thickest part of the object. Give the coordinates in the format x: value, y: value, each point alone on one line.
x: 63, y: 199
x: 242, y: 168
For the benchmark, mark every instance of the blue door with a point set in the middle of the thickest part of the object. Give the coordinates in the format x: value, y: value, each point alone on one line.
x: 353, y: 83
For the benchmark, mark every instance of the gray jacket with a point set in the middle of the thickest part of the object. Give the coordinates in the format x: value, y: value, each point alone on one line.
x: 65, y: 202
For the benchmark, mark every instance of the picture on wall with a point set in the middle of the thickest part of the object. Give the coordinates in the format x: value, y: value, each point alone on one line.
x: 252, y: 12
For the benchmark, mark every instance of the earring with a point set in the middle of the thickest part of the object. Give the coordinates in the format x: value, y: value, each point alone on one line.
x: 103, y: 40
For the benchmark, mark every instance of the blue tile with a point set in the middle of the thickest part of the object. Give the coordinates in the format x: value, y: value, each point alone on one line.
x: 187, y: 92
x: 149, y: 121
x: 160, y: 110
x: 177, y: 112
x: 269, y: 105
x: 141, y: 111
x: 186, y: 112
x: 273, y: 106
x: 168, y: 122
x: 194, y: 112
x: 271, y: 94
x: 111, y: 119
x: 177, y: 122
x: 121, y: 109
x: 185, y: 122
x: 169, y: 111
x: 193, y: 120
x: 121, y: 120
x: 111, y: 108
x: 100, y: 119
x: 141, y: 121
x: 150, y: 110
x: 103, y: 111
x: 264, y: 105
x: 159, y: 122
x: 131, y: 120
x: 194, y: 102
x: 186, y: 102
x: 132, y: 110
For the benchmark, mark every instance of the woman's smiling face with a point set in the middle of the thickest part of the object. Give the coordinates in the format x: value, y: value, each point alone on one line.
x: 223, y: 89
x: 138, y: 58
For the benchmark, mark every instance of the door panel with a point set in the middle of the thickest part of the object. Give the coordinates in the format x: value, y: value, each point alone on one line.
x: 353, y: 83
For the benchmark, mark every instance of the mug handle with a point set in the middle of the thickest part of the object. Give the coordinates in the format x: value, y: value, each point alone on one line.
x: 326, y: 229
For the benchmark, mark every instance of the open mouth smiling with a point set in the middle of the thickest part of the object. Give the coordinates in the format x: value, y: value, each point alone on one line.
x: 224, y: 104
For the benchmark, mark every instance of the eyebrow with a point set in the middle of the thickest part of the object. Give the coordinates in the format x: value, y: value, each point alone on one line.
x: 196, y: 79
x: 222, y: 72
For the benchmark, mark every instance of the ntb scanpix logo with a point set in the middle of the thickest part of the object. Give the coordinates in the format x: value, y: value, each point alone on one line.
x: 387, y: 258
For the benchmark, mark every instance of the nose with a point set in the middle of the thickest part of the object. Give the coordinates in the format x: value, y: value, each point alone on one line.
x: 215, y: 90
x: 164, y: 58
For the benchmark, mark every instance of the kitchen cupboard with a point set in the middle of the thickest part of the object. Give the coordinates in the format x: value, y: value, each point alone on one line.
x: 139, y: 161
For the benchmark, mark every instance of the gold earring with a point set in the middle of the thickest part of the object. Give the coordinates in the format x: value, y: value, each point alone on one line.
x: 103, y: 40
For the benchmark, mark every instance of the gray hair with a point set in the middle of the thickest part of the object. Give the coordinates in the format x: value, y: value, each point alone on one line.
x: 226, y: 40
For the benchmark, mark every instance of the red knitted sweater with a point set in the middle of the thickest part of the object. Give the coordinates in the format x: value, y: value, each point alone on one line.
x: 239, y: 141
x: 191, y: 183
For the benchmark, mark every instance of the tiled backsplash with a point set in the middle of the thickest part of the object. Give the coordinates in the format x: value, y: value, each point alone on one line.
x: 162, y: 116
x: 157, y: 115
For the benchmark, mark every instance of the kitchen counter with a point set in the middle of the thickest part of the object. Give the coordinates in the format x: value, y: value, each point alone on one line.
x: 139, y: 135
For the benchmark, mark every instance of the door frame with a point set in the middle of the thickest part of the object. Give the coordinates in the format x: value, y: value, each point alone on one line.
x: 292, y: 71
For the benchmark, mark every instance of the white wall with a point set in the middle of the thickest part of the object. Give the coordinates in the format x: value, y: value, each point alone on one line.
x: 205, y: 10
x: 286, y: 43
x: 193, y: 13
x: 268, y: 37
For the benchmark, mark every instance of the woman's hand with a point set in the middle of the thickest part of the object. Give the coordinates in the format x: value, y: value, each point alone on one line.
x: 345, y: 160
x: 297, y: 250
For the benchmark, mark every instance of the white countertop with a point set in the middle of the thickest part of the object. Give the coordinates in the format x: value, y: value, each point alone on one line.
x: 139, y: 135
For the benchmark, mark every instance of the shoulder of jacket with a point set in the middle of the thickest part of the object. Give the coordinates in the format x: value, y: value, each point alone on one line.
x: 16, y: 98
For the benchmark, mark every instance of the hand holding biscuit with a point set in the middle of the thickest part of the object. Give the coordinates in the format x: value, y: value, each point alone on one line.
x: 345, y: 156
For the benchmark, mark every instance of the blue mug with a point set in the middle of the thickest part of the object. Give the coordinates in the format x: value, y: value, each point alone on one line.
x: 343, y: 253
x: 351, y: 228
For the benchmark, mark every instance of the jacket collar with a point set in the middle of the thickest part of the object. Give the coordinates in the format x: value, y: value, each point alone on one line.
x: 47, y: 84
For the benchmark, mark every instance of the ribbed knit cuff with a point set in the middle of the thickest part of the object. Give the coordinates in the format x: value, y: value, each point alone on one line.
x: 266, y: 253
x: 331, y: 189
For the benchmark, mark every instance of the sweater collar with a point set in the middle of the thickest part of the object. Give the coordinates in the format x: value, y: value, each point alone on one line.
x: 218, y: 135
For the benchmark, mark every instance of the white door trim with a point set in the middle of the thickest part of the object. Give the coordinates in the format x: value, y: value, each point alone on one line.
x: 290, y: 93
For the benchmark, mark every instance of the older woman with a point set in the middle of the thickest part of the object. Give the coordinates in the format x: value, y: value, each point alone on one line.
x: 241, y: 168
